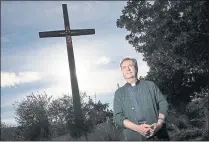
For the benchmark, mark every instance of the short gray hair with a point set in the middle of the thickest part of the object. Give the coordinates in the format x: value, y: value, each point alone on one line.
x: 132, y: 59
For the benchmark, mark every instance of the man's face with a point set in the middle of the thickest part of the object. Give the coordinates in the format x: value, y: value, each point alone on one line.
x: 128, y: 69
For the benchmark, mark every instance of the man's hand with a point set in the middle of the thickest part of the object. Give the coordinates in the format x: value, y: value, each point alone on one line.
x: 155, y: 128
x: 143, y: 129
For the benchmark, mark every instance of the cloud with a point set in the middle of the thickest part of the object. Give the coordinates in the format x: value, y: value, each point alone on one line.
x: 10, y: 79
x: 28, y: 59
x: 45, y: 15
x: 10, y: 121
x: 103, y: 60
x: 50, y: 62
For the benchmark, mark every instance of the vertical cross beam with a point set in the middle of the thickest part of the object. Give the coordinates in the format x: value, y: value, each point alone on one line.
x: 74, y: 83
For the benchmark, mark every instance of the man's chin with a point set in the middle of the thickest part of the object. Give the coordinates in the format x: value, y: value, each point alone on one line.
x: 130, y: 77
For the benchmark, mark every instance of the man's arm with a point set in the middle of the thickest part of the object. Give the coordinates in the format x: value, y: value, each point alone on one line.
x: 130, y: 125
x: 118, y: 112
x: 163, y: 109
x: 161, y: 118
x: 162, y: 103
x: 157, y: 126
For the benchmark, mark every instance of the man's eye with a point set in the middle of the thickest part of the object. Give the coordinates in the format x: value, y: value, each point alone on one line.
x: 130, y: 65
x: 124, y: 67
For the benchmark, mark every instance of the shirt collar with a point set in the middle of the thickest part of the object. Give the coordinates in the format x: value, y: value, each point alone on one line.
x: 133, y: 84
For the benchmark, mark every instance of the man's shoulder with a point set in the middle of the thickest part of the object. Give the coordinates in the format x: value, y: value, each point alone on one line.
x: 120, y: 90
x: 149, y: 82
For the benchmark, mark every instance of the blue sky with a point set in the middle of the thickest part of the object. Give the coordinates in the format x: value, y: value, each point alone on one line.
x: 32, y: 64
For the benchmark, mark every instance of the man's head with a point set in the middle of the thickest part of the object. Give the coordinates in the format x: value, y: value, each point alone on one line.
x: 129, y: 68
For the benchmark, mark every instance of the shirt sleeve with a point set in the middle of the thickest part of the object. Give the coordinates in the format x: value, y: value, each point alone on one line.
x: 161, y: 100
x: 119, y: 116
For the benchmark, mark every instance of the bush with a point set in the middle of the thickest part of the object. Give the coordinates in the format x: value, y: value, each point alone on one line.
x: 8, y: 133
x: 191, y: 134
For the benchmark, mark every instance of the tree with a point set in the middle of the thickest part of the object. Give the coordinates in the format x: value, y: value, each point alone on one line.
x: 59, y: 110
x: 98, y: 112
x: 61, y: 115
x: 32, y: 115
x: 40, y: 117
x: 198, y: 109
x: 93, y: 114
x: 8, y: 132
x: 173, y: 38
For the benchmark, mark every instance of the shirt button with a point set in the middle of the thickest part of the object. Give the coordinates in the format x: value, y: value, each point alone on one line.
x: 132, y: 107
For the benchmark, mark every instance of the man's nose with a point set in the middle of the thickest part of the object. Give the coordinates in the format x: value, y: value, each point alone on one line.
x: 127, y: 68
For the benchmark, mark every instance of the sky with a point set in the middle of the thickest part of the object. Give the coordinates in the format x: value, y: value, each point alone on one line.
x: 32, y: 64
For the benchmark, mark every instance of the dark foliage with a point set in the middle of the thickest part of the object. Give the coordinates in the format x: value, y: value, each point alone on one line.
x: 173, y: 39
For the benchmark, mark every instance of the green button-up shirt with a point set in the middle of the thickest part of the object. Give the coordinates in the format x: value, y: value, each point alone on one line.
x: 152, y: 102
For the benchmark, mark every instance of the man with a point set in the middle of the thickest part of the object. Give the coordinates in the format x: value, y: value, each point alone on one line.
x: 139, y: 106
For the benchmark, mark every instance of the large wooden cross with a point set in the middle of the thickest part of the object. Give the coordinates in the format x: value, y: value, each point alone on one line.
x: 74, y: 83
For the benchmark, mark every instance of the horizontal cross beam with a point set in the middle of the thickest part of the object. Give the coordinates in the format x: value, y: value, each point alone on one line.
x: 63, y: 33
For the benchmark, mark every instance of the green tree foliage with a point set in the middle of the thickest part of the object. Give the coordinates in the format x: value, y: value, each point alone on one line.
x: 60, y: 111
x: 198, y: 112
x: 40, y: 117
x: 8, y: 132
x: 32, y: 115
x: 173, y: 37
x: 98, y: 112
x: 93, y: 114
x: 198, y: 108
